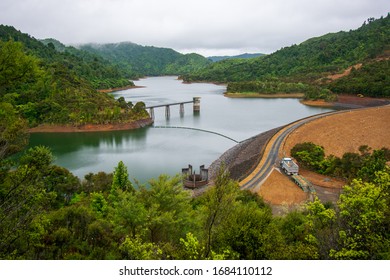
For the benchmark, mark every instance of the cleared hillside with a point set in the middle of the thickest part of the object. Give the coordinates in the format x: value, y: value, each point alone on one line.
x: 345, y: 132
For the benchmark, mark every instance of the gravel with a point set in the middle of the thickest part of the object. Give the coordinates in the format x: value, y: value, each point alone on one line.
x: 241, y: 159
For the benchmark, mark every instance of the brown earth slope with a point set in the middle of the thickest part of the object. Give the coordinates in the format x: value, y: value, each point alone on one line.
x: 339, y: 133
x: 345, y: 132
x: 279, y: 190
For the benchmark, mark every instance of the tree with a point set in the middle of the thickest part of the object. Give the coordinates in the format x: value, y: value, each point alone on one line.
x: 122, y: 102
x: 372, y: 163
x: 136, y: 249
x: 296, y: 242
x: 364, y: 209
x: 23, y: 200
x: 321, y: 224
x: 129, y: 215
x: 99, y: 204
x: 121, y: 180
x: 63, y: 183
x: 170, y: 215
x: 217, y: 206
x: 245, y: 232
x: 13, y: 131
x: 309, y: 154
x: 39, y: 158
x: 16, y: 68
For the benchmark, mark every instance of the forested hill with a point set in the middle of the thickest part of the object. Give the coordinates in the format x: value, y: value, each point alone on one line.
x: 99, y: 72
x: 244, y: 55
x: 40, y: 85
x: 137, y: 60
x: 309, y: 61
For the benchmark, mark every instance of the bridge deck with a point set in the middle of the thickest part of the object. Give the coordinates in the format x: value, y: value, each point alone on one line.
x: 169, y: 104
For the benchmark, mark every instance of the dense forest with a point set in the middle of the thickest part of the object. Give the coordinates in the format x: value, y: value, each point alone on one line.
x: 244, y: 55
x: 39, y: 85
x: 48, y: 213
x: 372, y: 79
x: 313, y: 60
x: 100, y: 73
x: 137, y: 61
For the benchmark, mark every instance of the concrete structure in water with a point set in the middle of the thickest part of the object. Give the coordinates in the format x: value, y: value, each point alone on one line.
x: 195, y: 101
x: 192, y: 180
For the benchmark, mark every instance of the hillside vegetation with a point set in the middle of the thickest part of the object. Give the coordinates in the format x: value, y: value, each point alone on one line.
x: 313, y: 60
x: 99, y: 72
x: 48, y: 213
x: 137, y: 61
x: 244, y: 55
x: 39, y: 85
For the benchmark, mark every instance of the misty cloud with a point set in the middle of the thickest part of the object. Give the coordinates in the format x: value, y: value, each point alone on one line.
x: 205, y: 26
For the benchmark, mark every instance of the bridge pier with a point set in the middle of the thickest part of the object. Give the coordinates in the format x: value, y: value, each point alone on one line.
x: 196, y: 107
x: 181, y: 109
x: 167, y: 112
x: 151, y: 112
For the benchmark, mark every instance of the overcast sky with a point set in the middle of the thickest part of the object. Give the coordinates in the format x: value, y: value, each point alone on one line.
x: 208, y: 27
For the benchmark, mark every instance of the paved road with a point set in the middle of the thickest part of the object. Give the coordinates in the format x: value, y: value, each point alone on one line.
x: 255, y: 179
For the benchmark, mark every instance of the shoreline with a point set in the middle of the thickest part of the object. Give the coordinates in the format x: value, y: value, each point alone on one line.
x: 49, y: 128
x: 344, y: 101
x: 317, y: 103
x: 263, y: 95
x: 109, y: 90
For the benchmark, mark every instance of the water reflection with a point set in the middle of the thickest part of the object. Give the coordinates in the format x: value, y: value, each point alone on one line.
x: 63, y: 143
x: 150, y: 152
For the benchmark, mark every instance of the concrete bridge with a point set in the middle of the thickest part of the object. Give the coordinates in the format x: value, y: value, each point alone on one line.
x: 195, y: 101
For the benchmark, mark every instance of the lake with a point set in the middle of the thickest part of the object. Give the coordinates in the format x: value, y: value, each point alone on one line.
x: 150, y: 151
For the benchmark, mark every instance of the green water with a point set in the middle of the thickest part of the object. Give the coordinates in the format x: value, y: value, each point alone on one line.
x: 149, y: 152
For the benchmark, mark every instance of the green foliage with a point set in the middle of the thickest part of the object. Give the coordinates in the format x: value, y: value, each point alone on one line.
x: 46, y: 86
x: 315, y: 93
x: 136, y: 249
x: 45, y: 214
x: 137, y: 61
x: 274, y: 85
x: 129, y: 214
x: 39, y: 158
x: 245, y: 232
x: 192, y: 249
x: 13, y: 131
x: 268, y: 87
x: 99, y: 204
x: 100, y: 182
x: 372, y: 79
x: 170, y: 215
x: 93, y: 68
x: 63, y: 183
x: 306, y: 61
x: 292, y: 238
x: 121, y: 180
x: 16, y: 67
x: 363, y: 213
x: 318, y: 215
x: 349, y: 166
x: 245, y: 55
x: 218, y: 204
x: 23, y: 198
x: 309, y: 155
